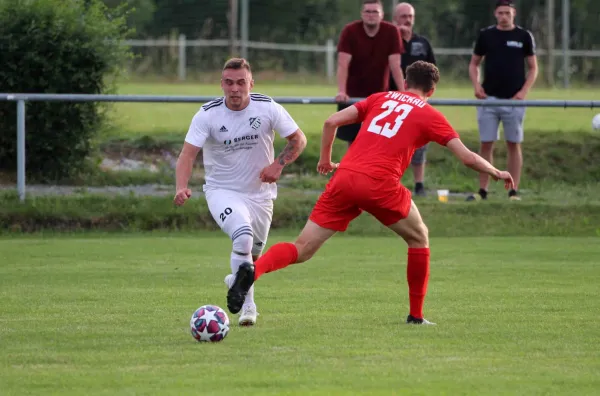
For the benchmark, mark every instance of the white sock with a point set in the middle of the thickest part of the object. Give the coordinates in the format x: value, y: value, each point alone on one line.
x: 236, y: 261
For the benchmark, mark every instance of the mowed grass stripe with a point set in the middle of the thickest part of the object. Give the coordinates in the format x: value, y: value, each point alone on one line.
x: 109, y: 315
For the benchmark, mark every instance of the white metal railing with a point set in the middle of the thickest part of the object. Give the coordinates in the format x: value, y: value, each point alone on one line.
x: 329, y: 50
x: 21, y: 98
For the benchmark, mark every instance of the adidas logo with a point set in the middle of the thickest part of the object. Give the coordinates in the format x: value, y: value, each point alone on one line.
x: 223, y: 129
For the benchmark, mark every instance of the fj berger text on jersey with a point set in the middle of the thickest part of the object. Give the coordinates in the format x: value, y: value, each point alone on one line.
x: 247, y: 137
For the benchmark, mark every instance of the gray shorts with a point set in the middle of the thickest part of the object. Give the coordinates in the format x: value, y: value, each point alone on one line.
x: 419, y: 156
x: 488, y: 121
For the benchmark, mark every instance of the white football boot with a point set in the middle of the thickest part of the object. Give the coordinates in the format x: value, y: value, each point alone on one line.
x: 249, y: 314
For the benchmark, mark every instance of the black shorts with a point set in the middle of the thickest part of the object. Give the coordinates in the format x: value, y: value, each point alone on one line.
x: 348, y: 132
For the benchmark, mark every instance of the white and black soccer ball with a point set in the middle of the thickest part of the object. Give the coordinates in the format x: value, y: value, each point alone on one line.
x: 209, y: 324
x: 596, y: 122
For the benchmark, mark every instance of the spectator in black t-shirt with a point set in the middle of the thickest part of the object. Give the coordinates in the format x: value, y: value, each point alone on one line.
x: 415, y: 48
x: 506, y: 48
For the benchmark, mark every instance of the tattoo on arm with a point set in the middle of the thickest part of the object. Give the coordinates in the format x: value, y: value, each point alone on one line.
x: 290, y: 152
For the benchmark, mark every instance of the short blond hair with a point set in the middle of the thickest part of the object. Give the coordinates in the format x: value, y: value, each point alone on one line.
x: 237, y: 64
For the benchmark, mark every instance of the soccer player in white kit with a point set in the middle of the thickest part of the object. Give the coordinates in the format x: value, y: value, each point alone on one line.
x: 235, y: 133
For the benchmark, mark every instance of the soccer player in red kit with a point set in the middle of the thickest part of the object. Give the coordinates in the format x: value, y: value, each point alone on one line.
x: 394, y: 125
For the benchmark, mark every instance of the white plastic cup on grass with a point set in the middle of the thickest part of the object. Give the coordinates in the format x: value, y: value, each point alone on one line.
x: 443, y: 195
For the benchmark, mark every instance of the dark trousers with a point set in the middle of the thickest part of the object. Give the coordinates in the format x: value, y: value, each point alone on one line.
x: 348, y: 132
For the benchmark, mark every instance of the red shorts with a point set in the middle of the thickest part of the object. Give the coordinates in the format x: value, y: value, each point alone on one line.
x: 349, y: 193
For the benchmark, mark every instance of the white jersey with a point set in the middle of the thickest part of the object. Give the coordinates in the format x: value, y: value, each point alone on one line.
x: 237, y: 145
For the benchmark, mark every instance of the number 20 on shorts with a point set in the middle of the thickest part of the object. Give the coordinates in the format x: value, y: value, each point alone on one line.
x: 225, y: 213
x: 390, y: 106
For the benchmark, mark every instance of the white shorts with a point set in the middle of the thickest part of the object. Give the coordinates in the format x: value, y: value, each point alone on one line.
x: 234, y: 212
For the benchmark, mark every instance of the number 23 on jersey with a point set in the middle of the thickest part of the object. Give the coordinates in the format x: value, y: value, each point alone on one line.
x: 389, y: 107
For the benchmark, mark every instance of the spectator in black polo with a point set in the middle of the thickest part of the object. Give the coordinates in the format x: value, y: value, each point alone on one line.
x: 504, y: 48
x: 416, y: 48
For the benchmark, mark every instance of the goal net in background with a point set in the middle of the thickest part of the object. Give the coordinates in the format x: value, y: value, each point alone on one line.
x: 190, y: 39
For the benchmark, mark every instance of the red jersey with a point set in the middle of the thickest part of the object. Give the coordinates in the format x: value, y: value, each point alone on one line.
x: 394, y: 125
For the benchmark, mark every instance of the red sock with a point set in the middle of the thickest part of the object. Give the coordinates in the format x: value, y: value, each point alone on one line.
x: 279, y: 256
x: 417, y: 275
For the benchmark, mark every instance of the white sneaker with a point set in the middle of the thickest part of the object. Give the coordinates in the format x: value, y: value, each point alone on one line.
x: 248, y: 316
x: 229, y: 280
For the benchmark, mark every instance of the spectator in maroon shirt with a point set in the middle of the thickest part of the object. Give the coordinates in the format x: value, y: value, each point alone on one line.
x: 368, y: 51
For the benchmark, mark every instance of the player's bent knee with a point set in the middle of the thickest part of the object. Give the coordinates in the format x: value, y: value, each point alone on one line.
x: 419, y: 238
x: 242, y: 242
x: 424, y: 235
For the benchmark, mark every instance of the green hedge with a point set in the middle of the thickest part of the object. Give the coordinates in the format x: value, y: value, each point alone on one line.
x: 134, y: 214
x: 57, y: 46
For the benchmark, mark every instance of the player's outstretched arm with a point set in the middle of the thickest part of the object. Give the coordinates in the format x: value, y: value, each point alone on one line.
x: 343, y: 117
x: 476, y: 162
x: 296, y: 143
x: 183, y: 172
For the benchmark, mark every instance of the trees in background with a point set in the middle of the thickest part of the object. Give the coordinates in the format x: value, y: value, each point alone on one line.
x: 448, y: 24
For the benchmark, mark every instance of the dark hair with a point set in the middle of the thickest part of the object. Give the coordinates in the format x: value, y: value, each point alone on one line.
x: 373, y: 2
x: 237, y: 64
x: 422, y: 75
x: 508, y: 3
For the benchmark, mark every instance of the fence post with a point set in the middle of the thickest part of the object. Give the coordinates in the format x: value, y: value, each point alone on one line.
x: 566, y: 35
x: 330, y: 59
x: 21, y: 149
x: 244, y: 28
x: 182, y: 59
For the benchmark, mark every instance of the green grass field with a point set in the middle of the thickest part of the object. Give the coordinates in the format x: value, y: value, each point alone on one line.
x: 108, y: 314
x: 159, y: 119
x: 102, y: 315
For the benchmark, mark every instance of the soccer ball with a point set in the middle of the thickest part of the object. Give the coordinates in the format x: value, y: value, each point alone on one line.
x: 209, y: 324
x: 596, y: 122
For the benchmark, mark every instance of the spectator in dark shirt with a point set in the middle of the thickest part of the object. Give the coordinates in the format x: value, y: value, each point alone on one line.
x: 505, y: 48
x: 368, y: 50
x: 416, y: 48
